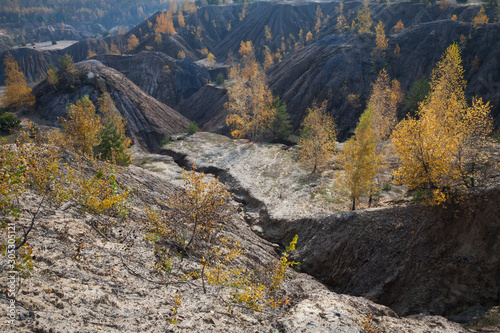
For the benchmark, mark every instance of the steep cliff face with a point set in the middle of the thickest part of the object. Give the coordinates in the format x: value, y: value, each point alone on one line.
x: 283, y: 20
x: 166, y: 79
x: 4, y: 47
x: 148, y: 120
x: 58, y: 32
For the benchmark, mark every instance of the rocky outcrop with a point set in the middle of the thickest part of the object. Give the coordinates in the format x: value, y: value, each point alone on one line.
x: 412, y: 258
x: 34, y: 64
x: 148, y: 120
x: 166, y: 79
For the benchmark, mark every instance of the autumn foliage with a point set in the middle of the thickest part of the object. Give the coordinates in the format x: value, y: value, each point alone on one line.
x: 359, y: 159
x: 91, y: 135
x: 399, y: 26
x: 82, y: 126
x: 381, y: 40
x: 18, y: 95
x: 443, y: 148
x: 164, y: 23
x: 481, y: 18
x: 195, y: 223
x: 317, y: 138
x: 383, y: 101
x: 250, y: 100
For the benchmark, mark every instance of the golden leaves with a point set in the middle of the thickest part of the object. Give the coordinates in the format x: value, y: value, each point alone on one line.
x: 381, y: 40
x: 18, y: 95
x: 317, y: 139
x: 82, y: 127
x: 359, y: 159
x: 132, y: 43
x: 250, y: 100
x: 384, y: 100
x: 164, y: 23
x: 445, y: 146
x: 481, y: 18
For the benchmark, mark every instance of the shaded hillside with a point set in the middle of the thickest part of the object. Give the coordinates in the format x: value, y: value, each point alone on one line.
x: 148, y: 120
x: 337, y: 66
x: 166, y: 79
x: 281, y: 19
x: 412, y: 259
x: 211, y: 22
x: 58, y: 32
x: 4, y: 47
x: 171, y: 45
x: 79, y: 51
x: 34, y: 64
x: 340, y: 65
x: 206, y: 107
x: 410, y: 14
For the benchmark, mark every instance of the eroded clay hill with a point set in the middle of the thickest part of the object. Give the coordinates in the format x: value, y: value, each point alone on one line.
x: 165, y: 78
x: 148, y: 120
x: 340, y: 65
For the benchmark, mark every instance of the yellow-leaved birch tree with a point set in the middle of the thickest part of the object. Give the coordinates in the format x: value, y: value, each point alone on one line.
x: 359, y: 159
x: 440, y: 149
x: 317, y: 138
x: 250, y: 99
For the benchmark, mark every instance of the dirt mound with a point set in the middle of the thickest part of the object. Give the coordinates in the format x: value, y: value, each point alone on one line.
x: 206, y: 107
x: 148, y: 120
x: 166, y: 79
x: 58, y: 32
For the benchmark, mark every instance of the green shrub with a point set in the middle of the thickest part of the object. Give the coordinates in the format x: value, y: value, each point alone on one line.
x: 387, y: 186
x: 193, y: 127
x: 496, y: 136
x: 220, y: 79
x: 281, y: 126
x: 165, y: 140
x: 54, y: 42
x: 419, y: 195
x: 8, y: 122
x: 113, y: 145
